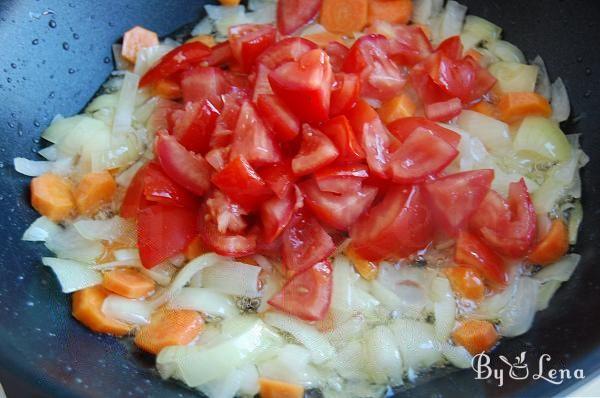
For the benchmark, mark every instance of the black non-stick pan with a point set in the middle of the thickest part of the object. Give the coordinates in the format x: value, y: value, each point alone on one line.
x: 54, y: 55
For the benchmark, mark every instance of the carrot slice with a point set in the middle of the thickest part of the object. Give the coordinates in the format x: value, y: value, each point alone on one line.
x: 553, y: 246
x: 194, y: 249
x: 393, y: 11
x: 476, y: 336
x: 397, y: 108
x: 93, y: 191
x: 486, y: 108
x: 135, y: 39
x: 324, y: 38
x: 344, y: 16
x: 167, y: 88
x: 229, y: 3
x: 169, y: 327
x: 207, y: 40
x: 87, y: 309
x: 278, y: 389
x: 466, y: 282
x: 128, y: 282
x: 52, y: 196
x: 367, y: 269
x: 515, y: 106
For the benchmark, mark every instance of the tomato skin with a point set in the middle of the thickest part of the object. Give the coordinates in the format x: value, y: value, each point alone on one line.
x: 261, y: 83
x: 218, y: 157
x: 279, y: 177
x: 278, y: 117
x: 443, y: 111
x: 276, y: 213
x: 396, y: 227
x: 455, y: 198
x: 305, y: 86
x: 408, y: 44
x: 402, y: 128
x: 161, y: 119
x: 181, y: 58
x: 159, y: 188
x: 308, y: 294
x: 220, y: 54
x: 135, y: 199
x: 248, y: 41
x: 344, y: 93
x: 228, y: 216
x: 339, y: 211
x: 341, y: 179
x: 241, y: 184
x: 316, y: 151
x: 293, y: 14
x: 193, y: 125
x: 164, y: 231
x: 340, y: 132
x: 286, y: 50
x: 337, y: 54
x: 305, y: 243
x: 422, y: 154
x: 223, y: 243
x: 187, y: 169
x: 471, y: 251
x: 204, y: 83
x: 226, y: 122
x: 451, y: 47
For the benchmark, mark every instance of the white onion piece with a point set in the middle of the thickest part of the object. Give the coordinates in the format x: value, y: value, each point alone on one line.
x: 32, y: 168
x: 306, y: 334
x: 291, y: 365
x: 72, y: 275
x: 385, y: 296
x: 422, y: 11
x: 271, y: 286
x: 61, y: 126
x: 560, y: 271
x: 233, y: 278
x: 49, y: 153
x: 204, y: 27
x: 263, y: 11
x: 116, y: 264
x: 457, y: 355
x: 224, y: 17
x: 408, y: 284
x: 104, y: 101
x: 561, y: 106
x: 161, y: 273
x: 40, y: 230
x: 206, y: 301
x: 493, y: 133
x: 482, y: 29
x: 343, y: 277
x: 120, y: 62
x: 382, y: 358
x: 224, y: 387
x: 112, y: 230
x: 542, y: 86
x: 126, y: 254
x: 69, y: 244
x: 126, y: 104
x: 514, y: 76
x: 248, y: 380
x: 130, y: 311
x: 575, y: 219
x: 506, y: 51
x: 347, y: 331
x: 349, y: 361
x: 125, y: 178
x: 417, y: 343
x: 148, y: 56
x: 452, y: 20
x: 444, y: 308
x: 546, y: 293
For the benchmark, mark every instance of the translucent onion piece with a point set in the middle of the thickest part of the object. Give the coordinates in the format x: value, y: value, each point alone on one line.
x: 514, y: 76
x: 49, y: 153
x: 452, y: 20
x: 233, y: 278
x: 291, y: 365
x: 542, y: 137
x: 126, y: 254
x: 115, y: 264
x: 418, y: 346
x: 103, y: 101
x: 343, y: 278
x: 506, y: 51
x: 224, y: 387
x: 575, y: 219
x: 204, y: 27
x: 444, y: 308
x: 131, y: 311
x: 206, y: 301
x: 120, y: 62
x: 148, y: 56
x: 264, y: 11
x: 69, y: 244
x: 560, y: 271
x: 422, y: 11
x: 126, y: 104
x: 112, y: 230
x: 542, y: 86
x: 248, y: 380
x: 382, y: 358
x: 40, y: 230
x: 349, y: 362
x: 546, y: 293
x: 494, y: 134
x: 32, y: 168
x: 561, y: 106
x: 481, y: 28
x: 72, y: 275
x: 125, y: 178
x: 347, y: 331
x: 457, y: 355
x: 224, y: 17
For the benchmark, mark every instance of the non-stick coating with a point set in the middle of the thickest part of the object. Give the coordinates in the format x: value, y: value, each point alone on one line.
x: 45, y: 70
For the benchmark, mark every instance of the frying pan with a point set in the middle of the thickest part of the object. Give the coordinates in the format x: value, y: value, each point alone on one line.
x: 55, y: 54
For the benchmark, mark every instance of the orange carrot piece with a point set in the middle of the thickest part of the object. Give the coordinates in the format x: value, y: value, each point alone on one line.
x: 553, y: 246
x: 248, y: 260
x: 135, y: 39
x: 344, y: 16
x: 367, y: 269
x: 278, y: 389
x: 324, y: 38
x: 87, y: 309
x: 52, y: 196
x: 229, y: 3
x: 476, y: 336
x: 486, y: 108
x: 466, y: 282
x: 397, y: 108
x: 194, y: 249
x: 128, y: 282
x: 167, y: 328
x: 515, y: 106
x: 167, y: 88
x: 207, y: 40
x: 93, y: 191
x: 393, y: 11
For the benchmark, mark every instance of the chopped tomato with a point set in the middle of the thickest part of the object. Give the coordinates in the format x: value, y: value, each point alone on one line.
x: 163, y: 232
x: 408, y: 44
x: 294, y: 14
x: 451, y: 47
x: 227, y: 120
x: 308, y: 294
x: 279, y: 177
x: 465, y: 79
x: 261, y: 82
x: 278, y: 117
x: 160, y: 118
x: 344, y: 93
x: 305, y: 85
x: 193, y: 125
x: 228, y: 216
x: 252, y: 139
x: 455, y: 198
x: 287, y: 50
x: 204, y: 83
x: 218, y: 157
x: 340, y: 132
x: 471, y: 251
x: 339, y: 211
x: 239, y: 181
x: 402, y: 128
x: 443, y: 111
x: 185, y: 168
x: 220, y: 54
x: 305, y: 243
x: 181, y: 58
x: 276, y: 213
x: 396, y: 227
x: 422, y: 154
x: 315, y: 152
x: 340, y: 179
x: 248, y: 41
x: 230, y: 245
x: 337, y: 54
x: 159, y: 188
x: 135, y: 199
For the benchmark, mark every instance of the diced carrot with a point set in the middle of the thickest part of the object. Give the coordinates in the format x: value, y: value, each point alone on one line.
x: 466, y: 282
x: 194, y: 249
x: 278, y: 389
x: 167, y: 88
x: 94, y: 190
x: 52, y: 196
x: 344, y: 16
x: 135, y: 39
x: 229, y: 3
x: 324, y: 38
x: 169, y: 327
x: 248, y: 260
x: 397, y: 108
x: 207, y: 40
x: 87, y: 309
x: 367, y: 269
x: 486, y: 108
x: 515, y: 106
x: 476, y: 336
x: 553, y: 246
x: 393, y: 11
x: 128, y: 282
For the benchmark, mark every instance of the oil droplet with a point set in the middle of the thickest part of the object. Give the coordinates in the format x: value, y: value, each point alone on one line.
x: 579, y: 60
x: 8, y: 80
x: 65, y: 46
x: 36, y: 123
x: 1, y: 165
x: 35, y: 42
x: 30, y: 303
x: 52, y: 94
x: 71, y: 71
x: 588, y: 71
x: 78, y: 380
x: 75, y: 36
x: 107, y: 60
x: 52, y: 23
x: 587, y: 94
x: 111, y: 24
x: 20, y: 133
x: 11, y: 125
x: 13, y: 65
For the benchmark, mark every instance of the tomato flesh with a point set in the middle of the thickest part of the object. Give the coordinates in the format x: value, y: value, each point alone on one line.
x: 286, y: 50
x: 341, y: 179
x: 135, y: 199
x: 248, y: 41
x: 293, y: 14
x: 344, y: 93
x: 193, y: 125
x: 315, y: 152
x: 181, y: 58
x: 471, y: 251
x: 159, y: 188
x: 280, y: 119
x: 402, y: 128
x: 204, y: 83
x: 275, y: 214
x: 340, y: 132
x: 230, y: 245
x: 279, y: 177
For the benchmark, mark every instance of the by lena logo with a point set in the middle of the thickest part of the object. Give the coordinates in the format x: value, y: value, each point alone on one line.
x: 520, y: 370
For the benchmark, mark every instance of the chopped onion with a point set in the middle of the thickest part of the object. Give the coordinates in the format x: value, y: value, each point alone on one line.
x: 313, y: 28
x: 112, y: 230
x: 514, y: 76
x: 233, y: 278
x: 452, y: 19
x: 343, y: 278
x: 224, y: 387
x: 347, y: 331
x: 382, y: 358
x: 422, y: 11
x: 204, y: 27
x: 148, y: 56
x: 271, y: 286
x: 126, y: 104
x: 72, y: 275
x: 264, y: 11
x: 560, y: 271
x: 69, y: 244
x: 291, y: 365
x: 349, y: 361
x: 116, y: 264
x: 40, y: 230
x: 161, y: 274
x: 469, y: 40
x: 444, y: 307
x: 120, y: 62
x: 131, y: 311
x: 417, y: 343
x: 457, y: 355
x: 493, y: 133
x: 104, y: 101
x: 119, y: 152
x: 546, y: 293
x: 49, y: 153
x: 561, y: 106
x: 575, y: 218
x: 481, y: 28
x: 306, y: 334
x: 408, y: 284
x: 542, y: 137
x: 248, y: 380
x: 205, y: 300
x: 125, y: 178
x: 32, y: 168
x: 126, y: 254
x: 224, y: 17
x: 506, y: 51
x: 542, y: 86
